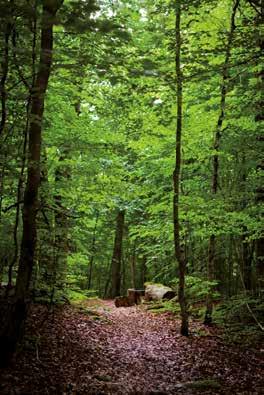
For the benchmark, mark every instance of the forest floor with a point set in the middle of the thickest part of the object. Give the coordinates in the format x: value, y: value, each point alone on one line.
x: 99, y: 349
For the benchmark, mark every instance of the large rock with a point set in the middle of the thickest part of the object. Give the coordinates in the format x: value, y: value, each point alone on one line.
x: 158, y: 292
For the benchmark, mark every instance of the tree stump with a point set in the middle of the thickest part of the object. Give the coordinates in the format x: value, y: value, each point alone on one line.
x: 134, y: 295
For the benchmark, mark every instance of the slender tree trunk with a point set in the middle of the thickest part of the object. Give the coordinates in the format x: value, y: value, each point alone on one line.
x: 61, y: 226
x: 230, y: 263
x: 46, y: 230
x: 117, y: 255
x: 12, y: 327
x: 93, y: 249
x: 19, y: 198
x: 2, y: 178
x: 108, y: 281
x: 133, y: 267
x: 179, y: 251
x: 143, y: 270
x: 247, y: 262
x: 4, y: 66
x: 33, y: 177
x: 4, y: 73
x: 24, y: 153
x: 259, y: 244
x: 123, y: 285
x: 215, y: 160
x: 246, y: 267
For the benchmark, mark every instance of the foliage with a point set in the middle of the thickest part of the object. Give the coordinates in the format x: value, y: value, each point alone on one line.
x: 166, y: 306
x: 242, y: 317
x: 198, y: 288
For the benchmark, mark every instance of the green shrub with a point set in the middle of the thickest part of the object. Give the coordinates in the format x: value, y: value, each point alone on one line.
x: 197, y: 288
x: 242, y: 317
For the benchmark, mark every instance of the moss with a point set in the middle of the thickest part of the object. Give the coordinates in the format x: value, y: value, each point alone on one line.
x: 105, y: 378
x: 156, y: 284
x: 167, y: 306
x: 75, y: 296
x: 204, y: 384
x: 197, y: 312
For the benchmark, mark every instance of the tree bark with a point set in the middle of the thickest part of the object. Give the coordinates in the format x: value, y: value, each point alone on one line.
x: 93, y: 249
x: 134, y: 295
x: 33, y: 173
x: 20, y: 186
x: 2, y: 179
x: 179, y: 253
x: 12, y: 328
x: 133, y: 266
x: 117, y: 255
x: 259, y: 244
x: 61, y: 221
x: 4, y: 72
x: 215, y: 159
x: 143, y: 270
x: 46, y: 231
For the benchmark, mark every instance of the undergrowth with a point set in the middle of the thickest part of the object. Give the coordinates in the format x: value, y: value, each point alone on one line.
x: 242, y: 318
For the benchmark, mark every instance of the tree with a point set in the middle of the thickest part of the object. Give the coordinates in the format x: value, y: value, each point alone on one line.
x: 15, y: 320
x: 215, y: 159
x: 117, y: 255
x: 179, y: 250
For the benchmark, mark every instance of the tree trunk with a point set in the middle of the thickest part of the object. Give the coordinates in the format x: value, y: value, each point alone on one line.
x: 93, y: 249
x: 133, y: 267
x: 259, y: 244
x: 143, y: 270
x: 20, y: 186
x: 33, y: 177
x: 215, y: 160
x: 179, y: 253
x: 46, y: 231
x: 246, y: 267
x: 4, y: 72
x: 134, y: 295
x: 247, y: 263
x: 4, y: 66
x: 2, y: 178
x: 117, y: 255
x: 61, y: 225
x: 107, y: 283
x: 12, y: 327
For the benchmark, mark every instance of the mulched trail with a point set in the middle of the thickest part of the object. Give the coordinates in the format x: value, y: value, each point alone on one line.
x: 126, y: 351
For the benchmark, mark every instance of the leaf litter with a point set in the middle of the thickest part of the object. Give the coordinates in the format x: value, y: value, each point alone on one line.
x: 126, y: 351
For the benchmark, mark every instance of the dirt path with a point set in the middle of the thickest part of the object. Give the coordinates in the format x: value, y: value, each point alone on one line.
x: 126, y: 351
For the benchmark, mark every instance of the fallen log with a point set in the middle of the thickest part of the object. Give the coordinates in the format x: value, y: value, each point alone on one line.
x: 158, y: 292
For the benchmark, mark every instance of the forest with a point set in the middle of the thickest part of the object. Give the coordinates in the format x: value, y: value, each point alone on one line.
x: 131, y: 158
